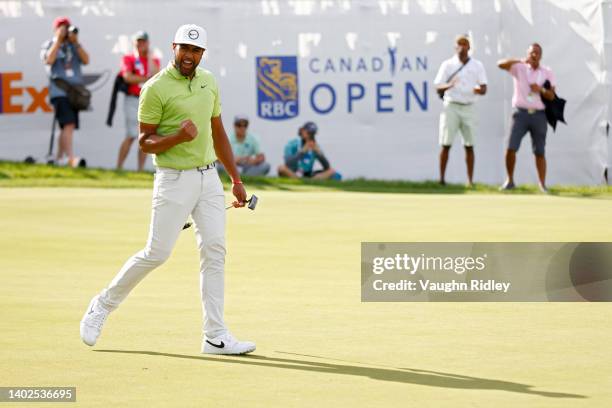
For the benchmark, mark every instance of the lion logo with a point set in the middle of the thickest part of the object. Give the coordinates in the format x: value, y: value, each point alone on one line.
x: 277, y: 87
x: 275, y: 83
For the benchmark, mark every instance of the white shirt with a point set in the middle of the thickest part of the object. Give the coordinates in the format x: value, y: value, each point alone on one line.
x: 471, y: 76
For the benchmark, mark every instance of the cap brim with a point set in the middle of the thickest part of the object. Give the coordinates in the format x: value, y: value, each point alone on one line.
x: 188, y: 42
x: 61, y: 23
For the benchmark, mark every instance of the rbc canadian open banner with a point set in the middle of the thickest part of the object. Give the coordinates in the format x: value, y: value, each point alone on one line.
x: 363, y: 70
x: 486, y: 272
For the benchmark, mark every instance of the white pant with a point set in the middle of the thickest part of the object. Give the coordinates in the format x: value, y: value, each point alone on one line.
x: 176, y: 194
x: 457, y: 118
x: 130, y: 111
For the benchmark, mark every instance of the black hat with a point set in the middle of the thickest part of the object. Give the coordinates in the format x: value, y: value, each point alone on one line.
x: 310, y: 127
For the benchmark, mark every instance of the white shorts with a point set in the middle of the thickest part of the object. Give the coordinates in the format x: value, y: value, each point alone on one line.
x: 130, y: 111
x: 457, y: 118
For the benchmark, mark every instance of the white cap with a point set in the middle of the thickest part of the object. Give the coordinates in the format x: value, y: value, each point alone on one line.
x: 191, y: 34
x: 241, y: 117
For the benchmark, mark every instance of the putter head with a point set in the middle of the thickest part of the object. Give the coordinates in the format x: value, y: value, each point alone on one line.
x: 252, y: 202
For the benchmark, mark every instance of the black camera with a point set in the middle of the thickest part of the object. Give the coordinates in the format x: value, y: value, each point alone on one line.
x: 73, y: 29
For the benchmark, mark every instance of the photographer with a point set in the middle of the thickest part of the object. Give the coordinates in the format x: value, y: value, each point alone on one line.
x: 63, y: 56
x: 302, y: 153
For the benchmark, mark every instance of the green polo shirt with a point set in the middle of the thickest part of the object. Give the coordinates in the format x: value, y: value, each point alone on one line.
x: 169, y: 98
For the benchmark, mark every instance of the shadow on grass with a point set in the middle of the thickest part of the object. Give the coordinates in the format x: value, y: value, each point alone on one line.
x: 399, y: 375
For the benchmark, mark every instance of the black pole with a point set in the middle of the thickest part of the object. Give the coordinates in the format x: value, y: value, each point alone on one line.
x: 50, y: 154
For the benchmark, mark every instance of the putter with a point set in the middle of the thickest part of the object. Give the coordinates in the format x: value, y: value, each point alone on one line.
x: 252, y: 203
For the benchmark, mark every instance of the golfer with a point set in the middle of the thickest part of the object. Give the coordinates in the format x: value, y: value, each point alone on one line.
x: 180, y: 124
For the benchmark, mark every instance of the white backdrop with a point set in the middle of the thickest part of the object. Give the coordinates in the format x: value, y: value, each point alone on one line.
x: 388, y: 141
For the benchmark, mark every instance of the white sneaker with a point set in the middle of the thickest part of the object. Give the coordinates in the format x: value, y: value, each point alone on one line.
x: 226, y: 344
x: 92, y: 321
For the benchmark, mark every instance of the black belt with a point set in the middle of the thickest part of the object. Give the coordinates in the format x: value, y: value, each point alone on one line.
x: 200, y: 169
x: 529, y: 111
x: 207, y: 167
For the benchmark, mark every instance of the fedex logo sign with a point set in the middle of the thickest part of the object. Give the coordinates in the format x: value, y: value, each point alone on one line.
x: 12, y: 98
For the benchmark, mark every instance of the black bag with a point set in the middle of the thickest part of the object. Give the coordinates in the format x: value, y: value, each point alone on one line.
x: 119, y: 86
x: 79, y: 96
x: 442, y: 92
x: 555, y: 109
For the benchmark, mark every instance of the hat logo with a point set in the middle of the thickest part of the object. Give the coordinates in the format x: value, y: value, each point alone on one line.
x: 193, y: 34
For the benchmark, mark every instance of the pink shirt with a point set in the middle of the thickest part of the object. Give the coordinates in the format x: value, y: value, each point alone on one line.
x: 524, y: 76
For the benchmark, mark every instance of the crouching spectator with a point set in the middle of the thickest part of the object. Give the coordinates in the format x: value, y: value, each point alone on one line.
x: 250, y: 160
x: 302, y: 153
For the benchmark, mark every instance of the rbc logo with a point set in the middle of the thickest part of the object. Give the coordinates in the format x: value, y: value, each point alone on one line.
x: 277, y: 88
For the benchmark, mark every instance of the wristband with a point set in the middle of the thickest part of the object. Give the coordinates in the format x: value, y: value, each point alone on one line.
x: 236, y: 182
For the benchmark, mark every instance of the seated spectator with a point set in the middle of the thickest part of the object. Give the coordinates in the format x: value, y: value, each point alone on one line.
x: 248, y: 155
x: 302, y: 153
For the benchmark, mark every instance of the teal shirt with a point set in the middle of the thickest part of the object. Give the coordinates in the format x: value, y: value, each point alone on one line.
x: 248, y: 147
x: 307, y: 161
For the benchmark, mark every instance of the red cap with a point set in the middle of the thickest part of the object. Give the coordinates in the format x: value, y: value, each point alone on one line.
x: 60, y: 21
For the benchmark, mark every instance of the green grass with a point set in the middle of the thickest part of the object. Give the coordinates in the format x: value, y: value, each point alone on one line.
x: 293, y: 286
x: 39, y: 175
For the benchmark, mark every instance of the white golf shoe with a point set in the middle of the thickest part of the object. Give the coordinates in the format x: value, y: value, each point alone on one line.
x: 92, y: 322
x: 226, y: 344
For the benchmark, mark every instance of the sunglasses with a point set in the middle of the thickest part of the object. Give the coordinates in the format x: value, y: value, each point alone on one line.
x: 241, y: 125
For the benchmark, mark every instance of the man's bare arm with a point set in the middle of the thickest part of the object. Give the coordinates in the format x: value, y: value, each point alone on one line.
x: 82, y: 54
x: 481, y: 89
x: 132, y: 78
x: 507, y: 63
x: 223, y: 149
x: 548, y: 94
x: 259, y: 158
x: 150, y: 142
x: 52, y: 53
x: 74, y: 40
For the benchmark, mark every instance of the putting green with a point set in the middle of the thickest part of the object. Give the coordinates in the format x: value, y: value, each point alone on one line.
x: 293, y: 286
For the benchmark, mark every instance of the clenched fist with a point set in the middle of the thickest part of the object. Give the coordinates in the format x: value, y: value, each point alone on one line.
x: 188, y: 131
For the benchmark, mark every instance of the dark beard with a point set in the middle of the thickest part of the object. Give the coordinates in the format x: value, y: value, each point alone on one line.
x: 179, y: 66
